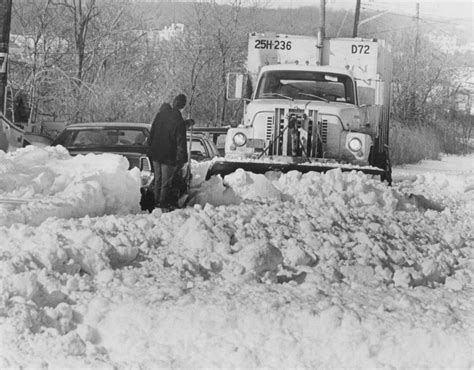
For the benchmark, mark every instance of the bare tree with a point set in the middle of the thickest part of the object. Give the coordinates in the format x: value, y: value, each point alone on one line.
x: 87, y: 34
x: 80, y: 15
x: 211, y: 47
x: 418, y: 96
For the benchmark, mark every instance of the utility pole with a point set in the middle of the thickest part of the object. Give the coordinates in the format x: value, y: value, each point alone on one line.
x: 5, y: 20
x: 322, y: 29
x: 356, y: 19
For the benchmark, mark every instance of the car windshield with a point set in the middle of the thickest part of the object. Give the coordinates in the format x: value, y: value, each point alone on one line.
x: 306, y: 85
x: 105, y: 137
x: 198, y: 149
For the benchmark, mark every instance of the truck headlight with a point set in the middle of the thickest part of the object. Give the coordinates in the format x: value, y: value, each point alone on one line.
x: 239, y: 139
x: 355, y: 145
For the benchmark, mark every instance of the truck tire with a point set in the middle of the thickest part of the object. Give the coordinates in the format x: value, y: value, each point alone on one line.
x: 382, y: 160
x: 387, y: 175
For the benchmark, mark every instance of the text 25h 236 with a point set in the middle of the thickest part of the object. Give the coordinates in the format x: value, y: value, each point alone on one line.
x: 273, y: 44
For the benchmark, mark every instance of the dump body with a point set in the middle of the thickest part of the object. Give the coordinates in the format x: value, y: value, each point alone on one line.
x: 324, y: 103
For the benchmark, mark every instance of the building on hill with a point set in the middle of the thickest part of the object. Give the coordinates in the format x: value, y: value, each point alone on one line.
x: 154, y: 36
x: 171, y: 32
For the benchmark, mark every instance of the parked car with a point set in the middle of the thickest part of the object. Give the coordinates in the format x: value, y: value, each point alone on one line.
x: 31, y: 138
x: 216, y: 134
x: 202, y: 149
x: 131, y: 141
x: 127, y: 139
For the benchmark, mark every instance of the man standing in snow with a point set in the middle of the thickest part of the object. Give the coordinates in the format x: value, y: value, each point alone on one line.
x: 168, y: 151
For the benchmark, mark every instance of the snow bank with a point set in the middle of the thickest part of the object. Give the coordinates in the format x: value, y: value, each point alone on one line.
x: 276, y: 271
x: 38, y: 183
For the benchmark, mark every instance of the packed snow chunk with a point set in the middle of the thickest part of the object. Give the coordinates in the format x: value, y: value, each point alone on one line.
x: 24, y: 284
x: 252, y: 186
x: 199, y: 172
x: 88, y: 250
x: 424, y: 203
x: 453, y: 283
x: 121, y: 187
x: 403, y: 278
x: 87, y: 333
x: 37, y: 183
x: 73, y: 345
x: 37, y: 156
x: 454, y: 240
x: 215, y: 192
x: 359, y: 274
x: 258, y: 256
x: 123, y: 251
x: 19, y: 317
x: 199, y: 243
x: 434, y: 271
x: 60, y: 318
x: 296, y: 256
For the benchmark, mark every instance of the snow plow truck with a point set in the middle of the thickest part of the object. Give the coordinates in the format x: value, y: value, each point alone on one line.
x: 311, y: 104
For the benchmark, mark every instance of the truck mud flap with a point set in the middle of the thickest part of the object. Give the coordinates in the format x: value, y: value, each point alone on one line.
x: 224, y: 168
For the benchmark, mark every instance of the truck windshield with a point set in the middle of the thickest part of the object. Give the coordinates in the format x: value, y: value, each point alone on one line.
x: 306, y: 85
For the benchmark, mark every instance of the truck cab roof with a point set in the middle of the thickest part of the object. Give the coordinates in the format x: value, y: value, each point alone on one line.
x: 308, y: 68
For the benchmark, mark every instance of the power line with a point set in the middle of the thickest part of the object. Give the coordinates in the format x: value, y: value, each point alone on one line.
x: 342, y: 23
x: 388, y: 30
x: 426, y: 21
x: 452, y: 21
x: 438, y: 29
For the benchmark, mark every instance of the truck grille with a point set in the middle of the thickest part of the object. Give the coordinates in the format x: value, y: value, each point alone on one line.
x: 324, y: 131
x: 269, y: 129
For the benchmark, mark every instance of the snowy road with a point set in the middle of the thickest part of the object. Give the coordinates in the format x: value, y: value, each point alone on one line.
x: 283, y: 271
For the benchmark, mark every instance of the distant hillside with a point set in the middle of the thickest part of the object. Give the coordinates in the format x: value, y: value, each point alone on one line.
x: 305, y: 21
x: 297, y: 21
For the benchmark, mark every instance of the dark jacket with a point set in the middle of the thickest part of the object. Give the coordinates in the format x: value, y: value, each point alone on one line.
x: 168, y: 137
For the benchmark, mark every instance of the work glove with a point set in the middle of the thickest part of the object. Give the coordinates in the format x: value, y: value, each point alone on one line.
x: 189, y: 122
x: 179, y: 165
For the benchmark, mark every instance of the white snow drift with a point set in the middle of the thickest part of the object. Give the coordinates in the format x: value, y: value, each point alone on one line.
x: 275, y: 271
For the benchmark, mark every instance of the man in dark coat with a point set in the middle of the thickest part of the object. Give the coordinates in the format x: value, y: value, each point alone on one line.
x: 168, y: 150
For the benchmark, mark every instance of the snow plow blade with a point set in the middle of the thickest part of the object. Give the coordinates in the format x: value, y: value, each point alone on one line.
x: 224, y: 168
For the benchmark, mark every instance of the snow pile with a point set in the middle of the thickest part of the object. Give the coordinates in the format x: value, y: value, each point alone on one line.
x: 275, y: 271
x: 338, y: 189
x: 39, y: 183
x: 451, y: 179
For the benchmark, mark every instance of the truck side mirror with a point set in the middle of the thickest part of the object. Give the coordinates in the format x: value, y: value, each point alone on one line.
x: 236, y: 86
x: 3, y: 62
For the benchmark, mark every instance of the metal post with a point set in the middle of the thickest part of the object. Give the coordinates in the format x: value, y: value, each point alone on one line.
x: 314, y: 134
x: 356, y: 19
x: 5, y: 20
x: 322, y: 30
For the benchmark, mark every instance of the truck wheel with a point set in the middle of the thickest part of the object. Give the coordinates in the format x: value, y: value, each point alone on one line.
x: 387, y: 175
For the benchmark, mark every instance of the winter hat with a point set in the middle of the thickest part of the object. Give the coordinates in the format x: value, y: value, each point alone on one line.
x: 179, y: 101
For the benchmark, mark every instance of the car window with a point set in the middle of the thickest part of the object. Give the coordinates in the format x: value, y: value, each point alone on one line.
x: 198, y: 150
x: 105, y: 137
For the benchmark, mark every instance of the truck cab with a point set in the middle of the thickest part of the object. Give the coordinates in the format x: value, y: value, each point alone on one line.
x: 313, y: 100
x: 314, y: 111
